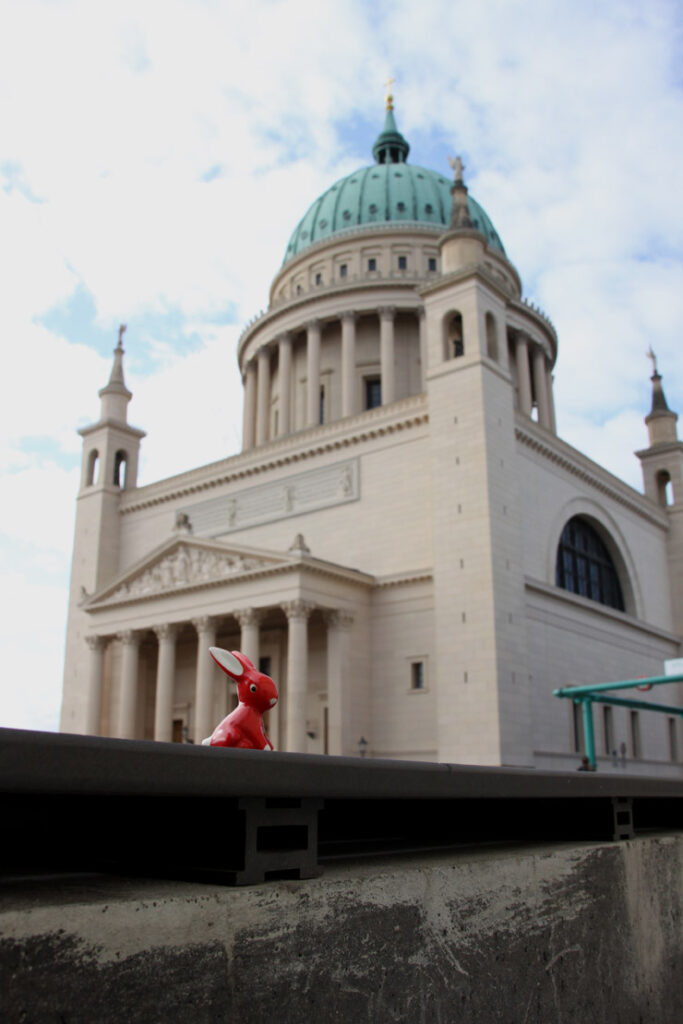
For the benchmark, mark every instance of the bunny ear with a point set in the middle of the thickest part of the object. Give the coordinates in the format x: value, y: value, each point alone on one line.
x: 227, y: 661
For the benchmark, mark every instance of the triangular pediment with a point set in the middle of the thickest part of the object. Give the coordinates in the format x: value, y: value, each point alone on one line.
x: 184, y: 563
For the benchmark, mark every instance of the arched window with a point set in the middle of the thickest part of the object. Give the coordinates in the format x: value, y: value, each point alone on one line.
x: 454, y: 337
x: 491, y: 337
x: 584, y: 565
x: 92, y: 470
x: 120, y: 469
x: 664, y: 488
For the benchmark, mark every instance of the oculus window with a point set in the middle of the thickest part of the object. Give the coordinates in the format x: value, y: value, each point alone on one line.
x: 584, y: 565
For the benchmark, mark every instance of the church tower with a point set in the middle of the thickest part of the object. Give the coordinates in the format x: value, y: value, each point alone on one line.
x: 482, y: 373
x: 662, y: 464
x: 109, y: 466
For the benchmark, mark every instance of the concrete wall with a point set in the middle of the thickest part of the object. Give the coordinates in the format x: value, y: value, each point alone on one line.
x: 565, y: 933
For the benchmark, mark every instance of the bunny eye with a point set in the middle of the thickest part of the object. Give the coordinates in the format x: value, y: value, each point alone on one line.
x: 253, y: 687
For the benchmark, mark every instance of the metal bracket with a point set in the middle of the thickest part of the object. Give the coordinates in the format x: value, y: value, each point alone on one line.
x: 623, y: 817
x: 280, y: 839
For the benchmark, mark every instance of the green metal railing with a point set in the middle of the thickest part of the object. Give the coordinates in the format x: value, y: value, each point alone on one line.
x: 586, y: 696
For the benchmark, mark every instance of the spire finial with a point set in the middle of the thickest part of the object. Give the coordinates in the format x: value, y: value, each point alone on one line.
x: 653, y: 358
x: 122, y: 331
x: 389, y: 99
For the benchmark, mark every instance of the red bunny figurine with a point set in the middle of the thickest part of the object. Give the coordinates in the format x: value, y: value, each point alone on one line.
x: 257, y: 693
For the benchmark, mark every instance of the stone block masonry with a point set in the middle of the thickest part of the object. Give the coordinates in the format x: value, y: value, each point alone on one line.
x: 571, y: 933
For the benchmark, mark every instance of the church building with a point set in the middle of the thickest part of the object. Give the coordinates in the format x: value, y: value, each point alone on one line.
x: 404, y: 543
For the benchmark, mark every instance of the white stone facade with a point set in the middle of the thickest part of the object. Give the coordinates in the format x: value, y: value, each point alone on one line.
x: 386, y: 542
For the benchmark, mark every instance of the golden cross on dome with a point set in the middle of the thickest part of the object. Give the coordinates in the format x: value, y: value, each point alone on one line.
x: 389, y: 98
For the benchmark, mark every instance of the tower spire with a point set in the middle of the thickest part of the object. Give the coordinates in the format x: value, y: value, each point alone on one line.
x: 115, y: 395
x: 661, y: 421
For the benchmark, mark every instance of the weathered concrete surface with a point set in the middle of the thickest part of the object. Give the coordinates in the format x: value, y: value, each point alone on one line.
x: 586, y: 933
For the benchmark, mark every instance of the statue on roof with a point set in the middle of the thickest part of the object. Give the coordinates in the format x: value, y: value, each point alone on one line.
x: 457, y: 167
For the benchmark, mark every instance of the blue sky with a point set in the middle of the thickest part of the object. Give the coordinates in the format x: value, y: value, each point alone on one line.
x: 155, y: 156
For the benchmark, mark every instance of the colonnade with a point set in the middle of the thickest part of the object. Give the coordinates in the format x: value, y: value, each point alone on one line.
x: 298, y: 612
x: 532, y: 364
x: 257, y: 382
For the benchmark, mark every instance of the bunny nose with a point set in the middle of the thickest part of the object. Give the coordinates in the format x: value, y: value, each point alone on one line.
x: 273, y: 701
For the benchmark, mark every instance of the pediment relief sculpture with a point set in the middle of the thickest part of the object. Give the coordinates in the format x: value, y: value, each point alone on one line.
x: 183, y: 567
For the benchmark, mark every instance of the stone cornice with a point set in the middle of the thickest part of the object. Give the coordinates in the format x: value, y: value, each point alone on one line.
x: 124, y: 428
x: 305, y: 444
x: 402, y: 578
x: 569, y: 599
x: 574, y: 462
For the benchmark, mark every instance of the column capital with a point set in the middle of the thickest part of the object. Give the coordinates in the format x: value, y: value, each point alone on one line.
x: 204, y: 623
x: 314, y: 324
x: 297, y: 609
x: 348, y: 316
x: 249, y: 616
x: 285, y: 336
x: 264, y: 351
x: 421, y: 312
x: 130, y: 636
x: 95, y: 642
x: 387, y: 312
x: 338, y: 618
x: 166, y: 630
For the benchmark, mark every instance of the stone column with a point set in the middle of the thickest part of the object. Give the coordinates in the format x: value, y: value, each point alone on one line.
x: 285, y: 383
x: 313, y: 373
x: 297, y: 613
x: 130, y: 640
x: 339, y: 689
x: 96, y: 645
x: 424, y: 352
x: 204, y: 688
x: 523, y: 377
x: 348, y: 363
x: 540, y: 387
x: 250, y: 620
x: 263, y: 395
x: 163, y: 708
x: 551, y: 401
x: 386, y: 354
x: 249, y: 415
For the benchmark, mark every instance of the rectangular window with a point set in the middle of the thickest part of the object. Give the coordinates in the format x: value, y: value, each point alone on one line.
x: 417, y: 675
x: 264, y: 665
x: 342, y: 270
x: 373, y: 392
x: 318, y: 278
x: 607, y: 729
x: 322, y: 404
x: 673, y: 739
x: 635, y: 734
x: 432, y: 263
x: 403, y: 263
x: 372, y: 264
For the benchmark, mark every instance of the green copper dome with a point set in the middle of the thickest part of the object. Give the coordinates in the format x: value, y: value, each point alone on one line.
x: 389, y: 190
